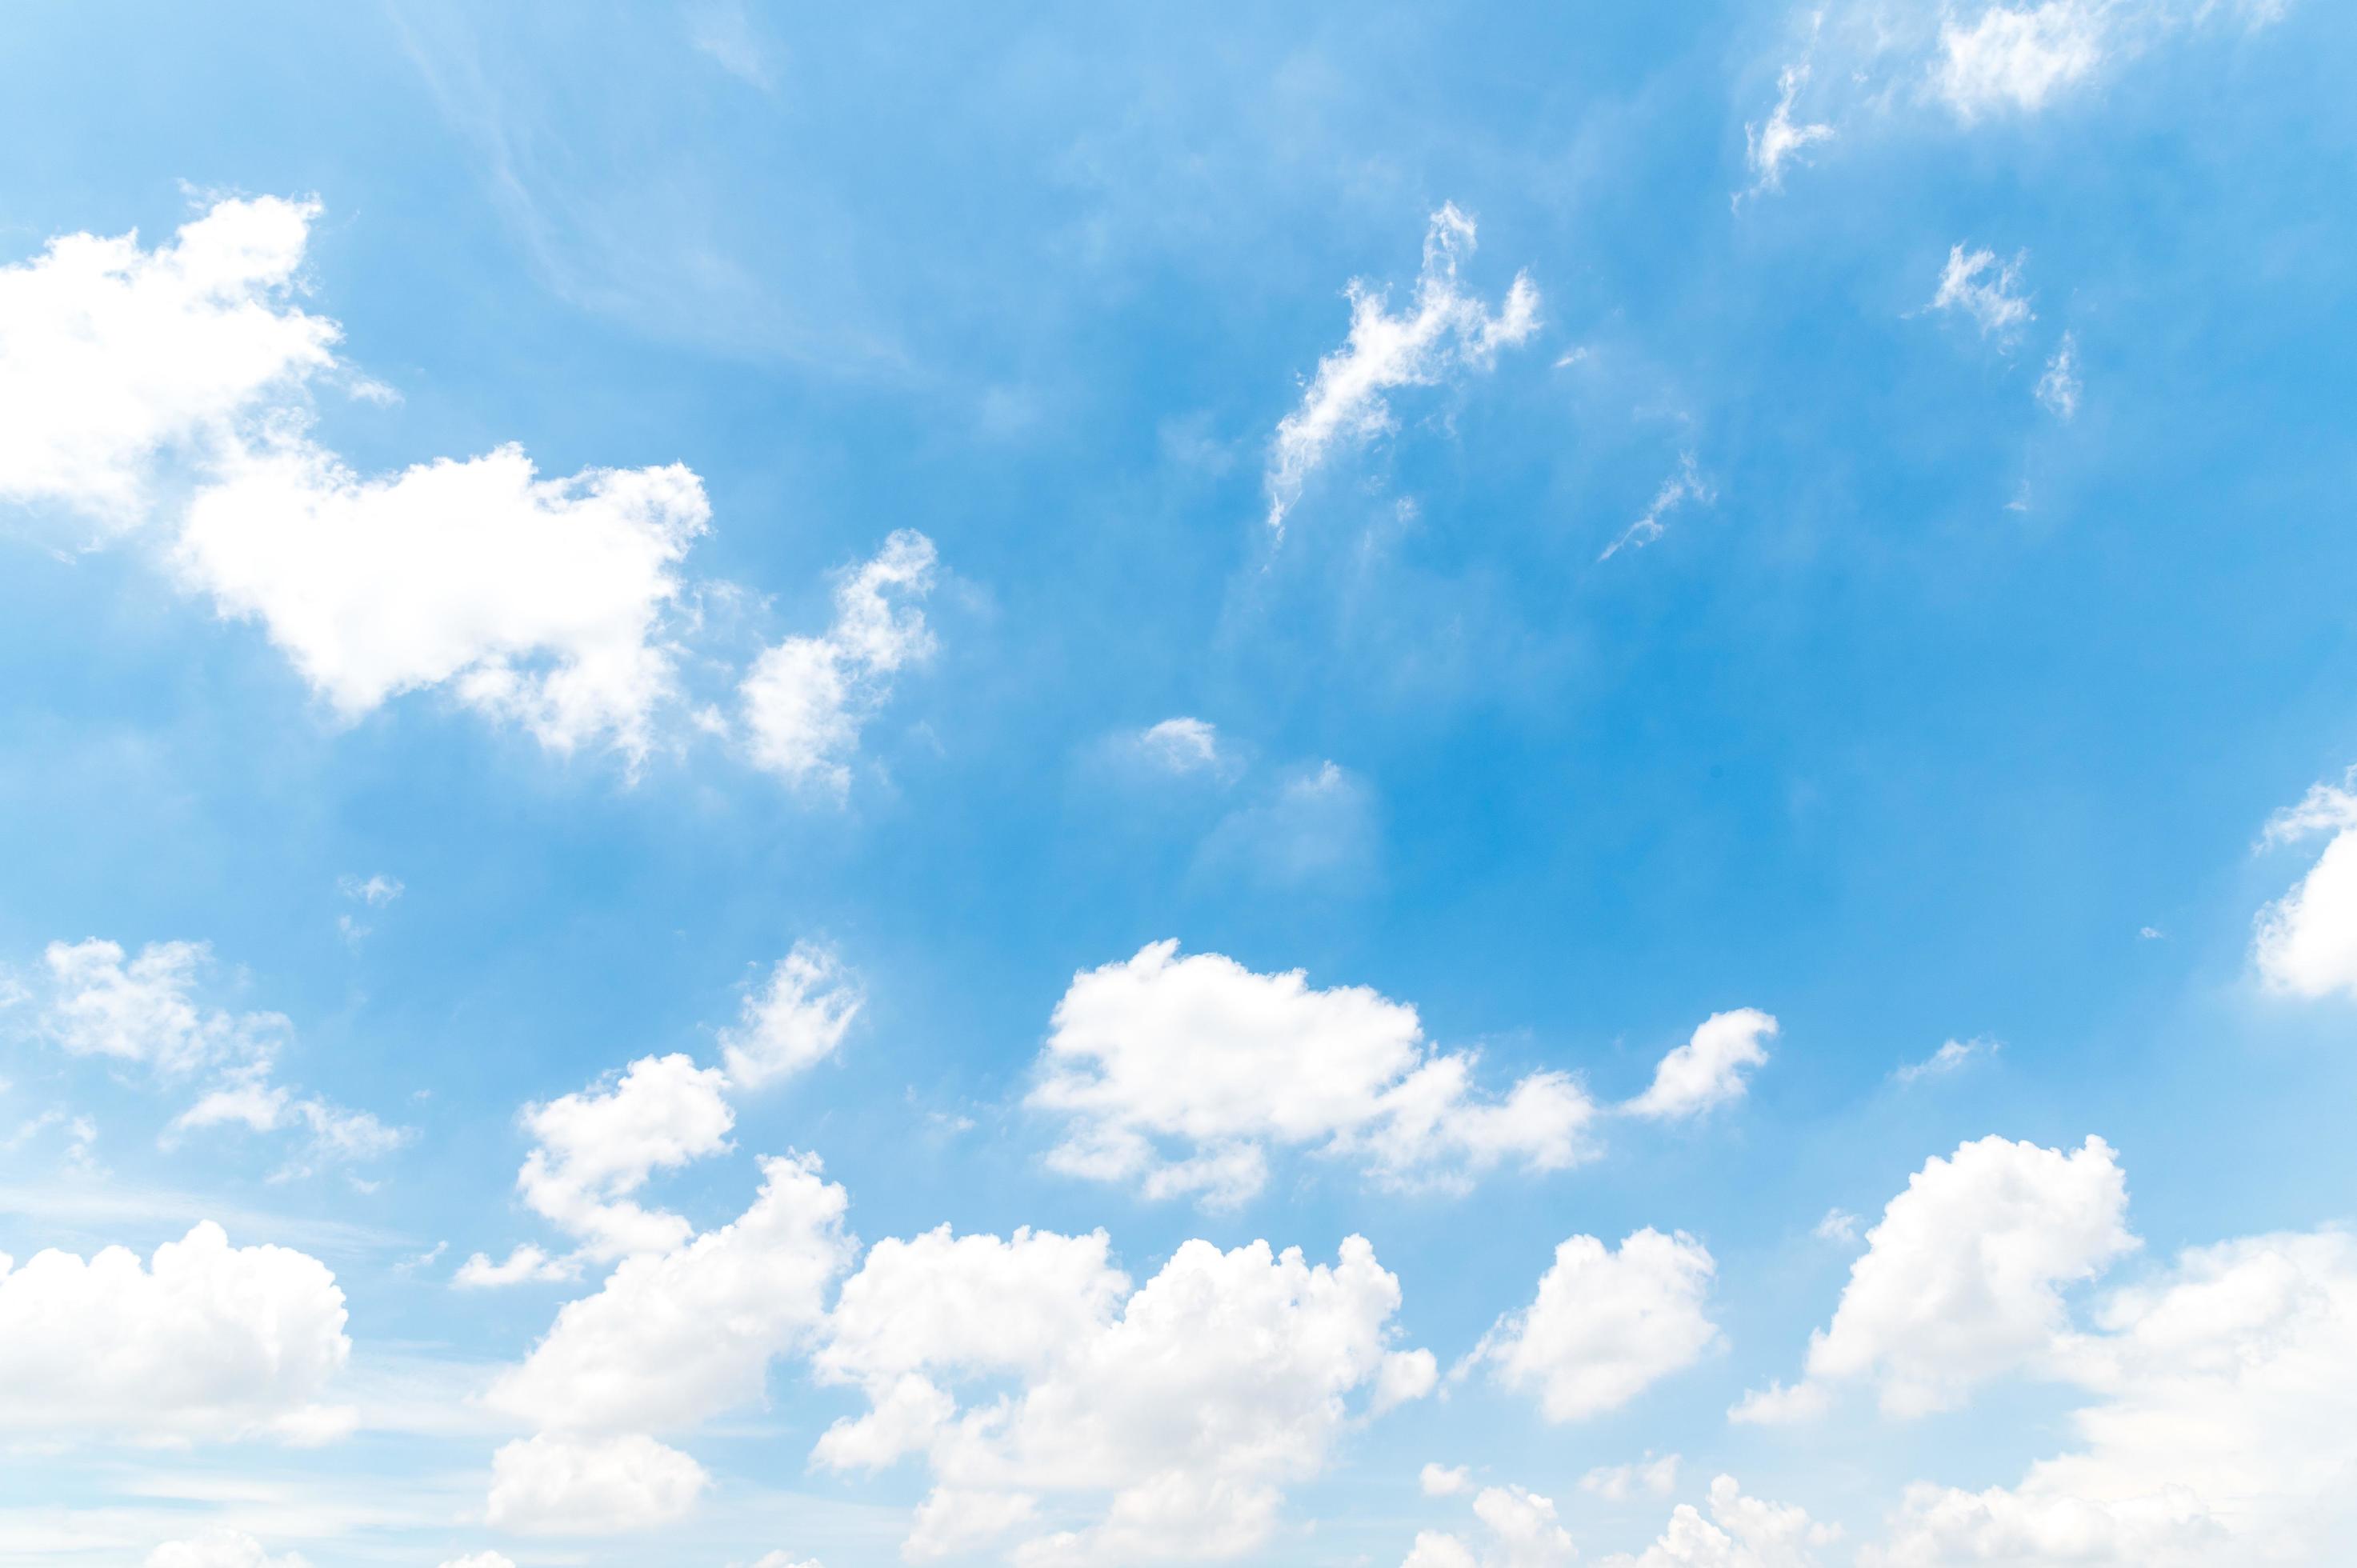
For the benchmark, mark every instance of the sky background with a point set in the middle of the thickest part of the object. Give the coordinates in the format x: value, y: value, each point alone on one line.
x: 1937, y: 711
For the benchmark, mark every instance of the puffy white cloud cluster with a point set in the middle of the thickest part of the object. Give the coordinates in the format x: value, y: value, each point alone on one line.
x: 2217, y: 1433
x: 1741, y: 1532
x: 203, y: 1340
x: 1204, y: 1054
x: 1445, y: 331
x: 545, y: 602
x: 94, y: 999
x: 1145, y: 1425
x: 1523, y: 1532
x: 1962, y: 1280
x: 2307, y: 941
x: 1606, y: 1324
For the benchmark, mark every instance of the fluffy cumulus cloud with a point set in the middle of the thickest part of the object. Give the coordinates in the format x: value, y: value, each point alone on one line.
x: 2307, y: 941
x: 1963, y: 1279
x: 1741, y: 1532
x: 94, y: 999
x: 806, y: 698
x: 220, y: 1549
x: 111, y: 356
x: 2218, y: 1431
x: 1606, y: 1325
x: 537, y: 600
x: 1618, y: 1483
x: 796, y: 1021
x: 673, y: 1337
x: 1181, y: 1073
x: 567, y: 1486
x: 1183, y: 745
x: 1709, y: 1069
x: 594, y: 1148
x: 1445, y: 331
x: 1094, y: 1423
x: 202, y: 1340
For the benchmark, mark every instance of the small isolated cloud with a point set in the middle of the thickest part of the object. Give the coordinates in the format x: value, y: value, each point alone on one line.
x: 1839, y: 1225
x: 1444, y: 1480
x: 1767, y: 147
x: 1686, y: 485
x: 1446, y: 331
x: 1181, y: 1074
x: 1952, y: 1056
x: 2019, y: 58
x: 1607, y: 1324
x: 2059, y: 388
x: 375, y: 891
x: 1709, y: 1069
x: 1978, y: 287
x: 1182, y: 746
x: 797, y: 1021
x: 1312, y: 826
x: 806, y: 698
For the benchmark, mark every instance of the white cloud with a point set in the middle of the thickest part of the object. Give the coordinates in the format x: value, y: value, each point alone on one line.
x: 563, y: 1486
x: 2059, y: 388
x: 525, y: 1265
x: 221, y: 1549
x: 2018, y: 59
x: 597, y: 1146
x: 1606, y: 1325
x: 2307, y: 941
x: 1444, y: 1480
x: 1447, y: 330
x: 488, y: 1559
x: 1618, y: 1482
x: 204, y: 1341
x: 807, y: 698
x: 1708, y: 1070
x: 1952, y: 1056
x: 1205, y: 1054
x: 1767, y: 147
x: 145, y: 1009
x: 784, y: 1560
x: 534, y: 600
x: 1962, y: 1280
x: 1838, y: 1225
x: 111, y: 355
x: 1522, y: 1531
x: 673, y: 1337
x: 798, y: 1022
x: 1112, y: 1424
x: 2219, y: 1433
x: 1974, y: 283
x: 1183, y: 745
x: 375, y: 891
x: 1972, y: 61
x: 1742, y: 1532
x: 100, y: 1001
x: 1686, y: 484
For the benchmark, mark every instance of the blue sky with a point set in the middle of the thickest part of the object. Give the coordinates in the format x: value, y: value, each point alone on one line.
x: 1717, y: 632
